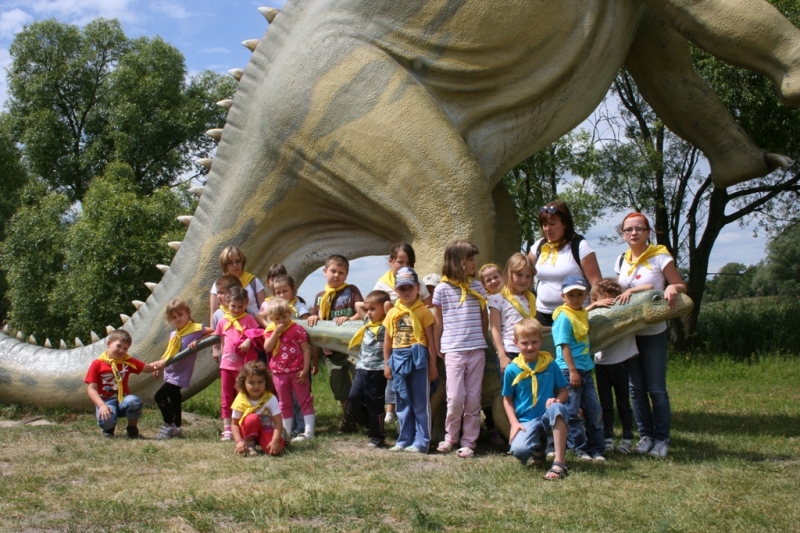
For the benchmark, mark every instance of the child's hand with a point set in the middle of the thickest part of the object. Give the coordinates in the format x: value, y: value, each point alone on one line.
x: 155, y: 374
x: 244, y: 347
x: 215, y: 353
x: 604, y: 302
x: 341, y: 320
x: 301, y: 377
x: 574, y: 379
x: 192, y: 345
x: 104, y: 412
x: 314, y: 370
x: 504, y: 362
x: 312, y: 320
x: 241, y: 447
x: 433, y: 373
x: 516, y: 427
x: 387, y: 372
x: 274, y: 447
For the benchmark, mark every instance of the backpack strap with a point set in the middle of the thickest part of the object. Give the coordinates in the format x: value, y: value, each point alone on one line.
x: 619, y: 262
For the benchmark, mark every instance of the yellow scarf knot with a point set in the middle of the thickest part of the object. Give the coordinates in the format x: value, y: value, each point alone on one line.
x: 579, y: 321
x: 374, y: 327
x: 550, y: 249
x: 327, y: 300
x: 515, y: 303
x: 545, y: 358
x: 398, y: 311
x: 466, y: 289
x: 651, y: 251
x: 242, y: 403
x: 115, y: 370
x: 174, y: 345
x: 246, y: 278
x: 233, y: 321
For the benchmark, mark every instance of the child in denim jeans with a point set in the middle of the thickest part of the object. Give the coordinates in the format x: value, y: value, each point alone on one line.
x: 571, y: 337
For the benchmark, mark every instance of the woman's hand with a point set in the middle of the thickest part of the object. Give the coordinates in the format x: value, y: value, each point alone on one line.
x: 671, y: 294
x: 625, y: 297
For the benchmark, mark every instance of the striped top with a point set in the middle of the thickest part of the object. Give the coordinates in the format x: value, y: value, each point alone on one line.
x: 462, y: 329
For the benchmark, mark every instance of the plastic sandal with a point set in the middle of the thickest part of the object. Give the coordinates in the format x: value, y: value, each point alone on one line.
x: 465, y: 453
x: 445, y: 447
x: 561, y: 473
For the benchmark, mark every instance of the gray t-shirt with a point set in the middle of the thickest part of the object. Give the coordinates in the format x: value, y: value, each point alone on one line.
x: 371, y: 355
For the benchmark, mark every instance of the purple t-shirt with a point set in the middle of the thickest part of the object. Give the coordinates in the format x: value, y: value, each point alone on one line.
x: 180, y: 373
x: 462, y: 327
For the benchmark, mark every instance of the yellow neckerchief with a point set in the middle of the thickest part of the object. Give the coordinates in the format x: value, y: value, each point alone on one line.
x: 465, y: 288
x: 549, y: 248
x: 271, y: 327
x: 242, y: 403
x: 292, y: 307
x: 388, y: 278
x: 246, y: 278
x: 578, y: 319
x: 506, y: 293
x: 374, y: 327
x: 541, y: 364
x: 327, y: 300
x: 651, y: 251
x: 115, y: 370
x: 399, y: 310
x: 233, y: 321
x: 174, y: 345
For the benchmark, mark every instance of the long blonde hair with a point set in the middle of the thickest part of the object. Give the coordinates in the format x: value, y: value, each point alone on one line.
x: 455, y: 255
x: 515, y: 263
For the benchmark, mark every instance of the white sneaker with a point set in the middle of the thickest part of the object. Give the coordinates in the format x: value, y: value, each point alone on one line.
x: 302, y: 437
x: 167, y: 432
x: 644, y: 446
x: 660, y: 449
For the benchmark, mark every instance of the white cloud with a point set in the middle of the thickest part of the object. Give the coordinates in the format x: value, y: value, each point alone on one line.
x: 12, y: 22
x: 170, y: 9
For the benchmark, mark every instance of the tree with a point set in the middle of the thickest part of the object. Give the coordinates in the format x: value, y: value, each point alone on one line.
x: 81, y: 99
x: 783, y: 261
x: 734, y: 280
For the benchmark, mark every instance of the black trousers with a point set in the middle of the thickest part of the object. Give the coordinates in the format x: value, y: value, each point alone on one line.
x: 366, y: 401
x: 612, y: 381
x: 168, y: 398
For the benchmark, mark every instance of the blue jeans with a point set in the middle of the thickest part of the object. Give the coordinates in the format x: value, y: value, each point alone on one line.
x: 130, y: 408
x: 585, y: 397
x: 648, y: 379
x: 536, y: 432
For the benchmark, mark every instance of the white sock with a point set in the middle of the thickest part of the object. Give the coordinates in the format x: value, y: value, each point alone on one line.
x: 310, y: 421
x: 288, y: 423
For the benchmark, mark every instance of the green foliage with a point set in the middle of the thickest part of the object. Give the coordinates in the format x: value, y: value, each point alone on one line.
x: 81, y: 99
x: 734, y: 280
x: 783, y: 260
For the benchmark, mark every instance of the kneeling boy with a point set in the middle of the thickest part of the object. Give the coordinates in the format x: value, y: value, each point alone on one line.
x: 534, y: 393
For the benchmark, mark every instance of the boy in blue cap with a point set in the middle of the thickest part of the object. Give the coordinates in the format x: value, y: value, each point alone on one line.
x: 571, y: 337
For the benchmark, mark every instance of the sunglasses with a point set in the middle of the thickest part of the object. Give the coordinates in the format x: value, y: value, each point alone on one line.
x: 549, y: 209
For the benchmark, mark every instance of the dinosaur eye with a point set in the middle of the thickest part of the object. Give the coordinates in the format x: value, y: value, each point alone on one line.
x: 657, y: 297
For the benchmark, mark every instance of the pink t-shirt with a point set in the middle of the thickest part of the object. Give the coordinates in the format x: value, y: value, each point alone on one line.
x: 290, y: 354
x: 231, y: 340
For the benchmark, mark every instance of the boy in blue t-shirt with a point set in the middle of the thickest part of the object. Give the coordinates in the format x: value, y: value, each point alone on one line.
x: 571, y: 337
x: 534, y: 393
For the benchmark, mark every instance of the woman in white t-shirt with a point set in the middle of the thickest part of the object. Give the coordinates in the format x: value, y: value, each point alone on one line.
x: 645, y: 263
x: 555, y: 260
x: 232, y: 261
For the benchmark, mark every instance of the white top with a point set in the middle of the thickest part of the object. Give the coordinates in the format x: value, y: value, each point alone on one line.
x: 252, y: 303
x: 509, y: 316
x: 620, y: 351
x: 641, y: 276
x: 267, y: 411
x: 550, y: 276
x: 381, y: 286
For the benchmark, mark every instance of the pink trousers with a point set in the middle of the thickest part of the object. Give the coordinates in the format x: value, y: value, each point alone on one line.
x: 464, y: 384
x: 251, y: 427
x: 285, y: 385
x: 227, y: 391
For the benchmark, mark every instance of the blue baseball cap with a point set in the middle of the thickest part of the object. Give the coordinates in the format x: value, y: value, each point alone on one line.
x: 573, y: 282
x: 405, y: 276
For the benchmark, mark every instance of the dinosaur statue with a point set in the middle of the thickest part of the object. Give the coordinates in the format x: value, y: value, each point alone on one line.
x: 360, y: 123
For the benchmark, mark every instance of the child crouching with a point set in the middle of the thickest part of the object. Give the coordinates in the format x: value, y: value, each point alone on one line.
x: 534, y: 394
x: 256, y: 413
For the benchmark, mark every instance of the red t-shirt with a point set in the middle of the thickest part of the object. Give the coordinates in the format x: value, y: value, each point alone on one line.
x: 100, y: 373
x: 290, y: 354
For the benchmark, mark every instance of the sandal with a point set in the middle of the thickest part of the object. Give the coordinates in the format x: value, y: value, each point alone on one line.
x: 465, y: 453
x: 538, y: 458
x: 227, y: 436
x: 561, y: 473
x: 445, y: 446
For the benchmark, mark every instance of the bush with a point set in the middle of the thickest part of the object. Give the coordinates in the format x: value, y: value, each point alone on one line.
x: 753, y: 326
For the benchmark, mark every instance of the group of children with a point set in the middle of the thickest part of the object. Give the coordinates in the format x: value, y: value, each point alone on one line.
x: 400, y: 341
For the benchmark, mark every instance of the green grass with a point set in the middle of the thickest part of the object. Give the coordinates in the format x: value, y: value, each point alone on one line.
x: 733, y: 466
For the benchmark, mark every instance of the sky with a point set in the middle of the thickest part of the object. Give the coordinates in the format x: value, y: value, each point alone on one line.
x: 209, y: 34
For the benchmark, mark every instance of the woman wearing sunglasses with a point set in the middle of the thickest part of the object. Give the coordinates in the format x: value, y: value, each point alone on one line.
x: 232, y: 261
x: 561, y: 253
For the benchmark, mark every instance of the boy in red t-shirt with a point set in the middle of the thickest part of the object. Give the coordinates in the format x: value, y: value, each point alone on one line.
x: 108, y: 384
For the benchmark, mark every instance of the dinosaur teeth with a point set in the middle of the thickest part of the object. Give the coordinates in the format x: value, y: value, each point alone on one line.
x: 197, y: 191
x: 20, y: 336
x: 150, y: 285
x: 62, y: 345
x: 185, y: 220
x: 32, y: 340
x: 109, y: 329
x: 269, y: 13
x: 137, y: 303
x: 93, y: 336
x: 47, y: 343
x: 237, y: 73
x: 162, y: 268
x: 124, y: 318
x: 215, y: 133
x: 205, y: 162
x: 250, y: 44
x: 175, y: 245
x: 78, y: 342
x: 226, y: 104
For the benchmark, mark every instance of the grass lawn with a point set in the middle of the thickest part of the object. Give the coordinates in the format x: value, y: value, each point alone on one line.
x: 734, y: 465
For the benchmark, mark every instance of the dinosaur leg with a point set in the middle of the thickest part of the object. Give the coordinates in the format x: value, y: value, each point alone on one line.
x: 660, y: 62
x: 749, y: 33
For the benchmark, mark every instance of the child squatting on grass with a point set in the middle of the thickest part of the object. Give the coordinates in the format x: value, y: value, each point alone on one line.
x: 177, y: 376
x: 107, y: 380
x: 256, y: 413
x: 534, y: 393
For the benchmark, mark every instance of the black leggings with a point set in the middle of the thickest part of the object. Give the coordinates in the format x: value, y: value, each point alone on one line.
x: 168, y: 398
x: 613, y: 379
